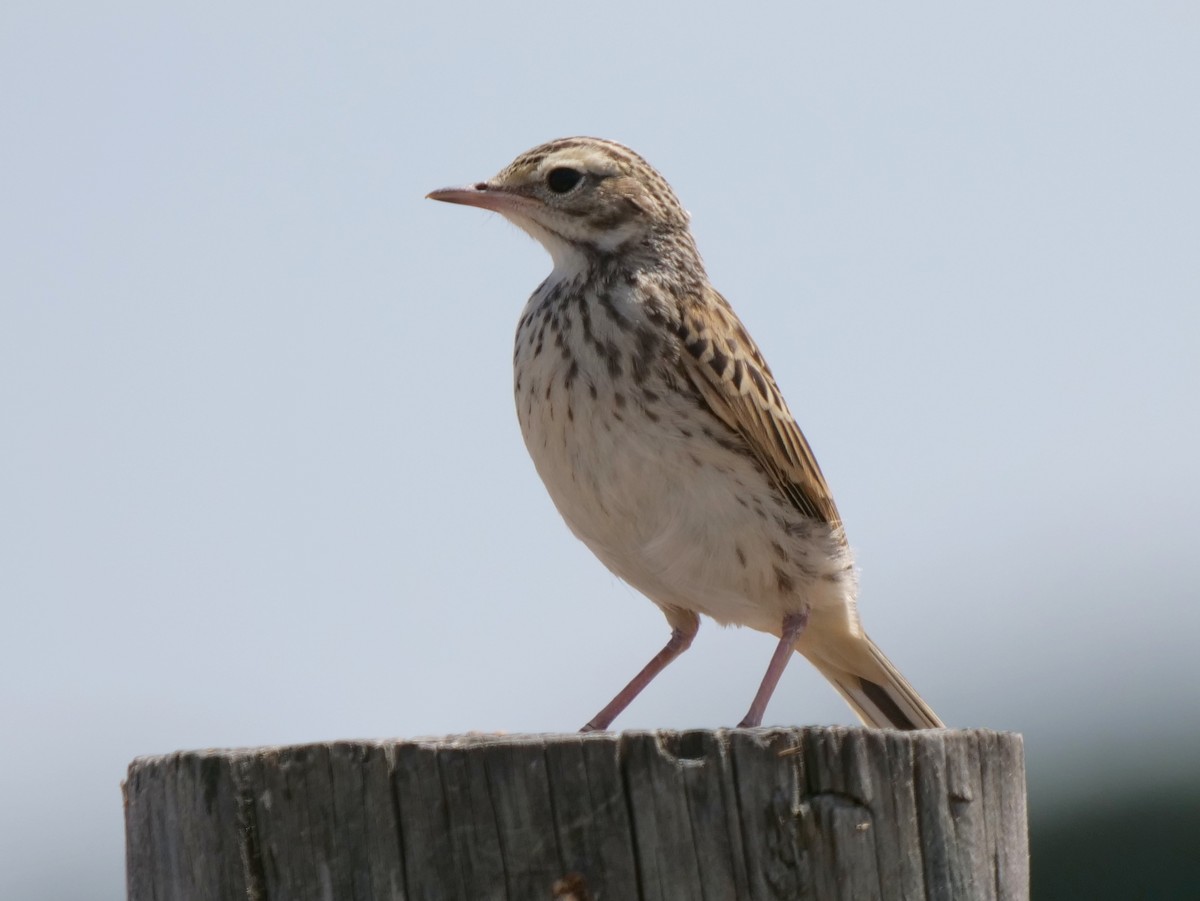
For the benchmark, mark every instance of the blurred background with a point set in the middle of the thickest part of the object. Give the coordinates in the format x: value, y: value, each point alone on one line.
x: 260, y: 476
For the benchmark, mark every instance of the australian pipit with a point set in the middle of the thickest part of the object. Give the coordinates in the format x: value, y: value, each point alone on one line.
x: 662, y: 437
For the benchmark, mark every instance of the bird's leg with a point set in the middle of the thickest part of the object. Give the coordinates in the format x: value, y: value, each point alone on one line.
x: 685, y: 626
x: 793, y: 625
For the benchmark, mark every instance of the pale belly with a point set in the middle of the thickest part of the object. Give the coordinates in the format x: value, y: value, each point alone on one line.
x: 689, y: 523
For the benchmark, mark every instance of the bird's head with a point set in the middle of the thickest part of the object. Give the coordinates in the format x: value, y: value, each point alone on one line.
x: 580, y: 196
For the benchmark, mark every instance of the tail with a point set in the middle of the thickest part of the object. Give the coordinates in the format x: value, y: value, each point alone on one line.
x: 871, y: 685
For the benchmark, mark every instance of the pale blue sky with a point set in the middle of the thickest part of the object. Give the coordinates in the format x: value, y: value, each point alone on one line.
x: 260, y: 475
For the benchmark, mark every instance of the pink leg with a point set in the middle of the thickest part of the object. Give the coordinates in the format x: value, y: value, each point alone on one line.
x: 686, y: 625
x: 793, y: 625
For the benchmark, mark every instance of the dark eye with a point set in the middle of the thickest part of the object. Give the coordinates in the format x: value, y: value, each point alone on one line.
x: 561, y: 180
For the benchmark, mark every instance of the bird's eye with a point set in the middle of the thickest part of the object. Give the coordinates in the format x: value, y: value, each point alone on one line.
x: 562, y: 179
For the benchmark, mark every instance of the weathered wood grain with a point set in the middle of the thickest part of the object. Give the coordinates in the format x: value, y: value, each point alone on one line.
x: 757, y: 814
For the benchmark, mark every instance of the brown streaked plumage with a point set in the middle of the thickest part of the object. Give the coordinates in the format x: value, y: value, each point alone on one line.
x: 727, y: 370
x: 662, y: 437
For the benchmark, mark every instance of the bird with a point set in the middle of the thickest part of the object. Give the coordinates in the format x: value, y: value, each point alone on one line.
x: 662, y: 436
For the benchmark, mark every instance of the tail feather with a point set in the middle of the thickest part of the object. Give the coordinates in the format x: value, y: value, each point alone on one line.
x: 872, y: 685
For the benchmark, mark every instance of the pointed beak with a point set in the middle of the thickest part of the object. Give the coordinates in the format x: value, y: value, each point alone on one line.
x: 481, y: 195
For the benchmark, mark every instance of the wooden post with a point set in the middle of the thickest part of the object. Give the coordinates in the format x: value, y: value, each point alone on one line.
x: 726, y: 814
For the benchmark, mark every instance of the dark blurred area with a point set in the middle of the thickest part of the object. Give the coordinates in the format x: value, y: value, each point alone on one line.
x: 1123, y: 842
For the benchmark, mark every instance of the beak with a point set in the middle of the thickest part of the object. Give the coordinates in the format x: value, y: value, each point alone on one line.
x: 481, y: 195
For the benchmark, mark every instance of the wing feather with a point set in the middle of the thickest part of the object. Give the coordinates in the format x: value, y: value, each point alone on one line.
x: 725, y: 367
